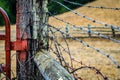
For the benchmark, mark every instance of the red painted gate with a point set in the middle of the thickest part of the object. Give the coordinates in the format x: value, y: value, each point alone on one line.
x: 10, y: 46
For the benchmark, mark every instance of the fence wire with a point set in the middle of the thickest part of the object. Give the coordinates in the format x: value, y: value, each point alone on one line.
x: 99, y: 34
x: 58, y: 47
x: 91, y: 32
x: 87, y: 45
x: 99, y: 7
x: 86, y: 17
x: 66, y: 65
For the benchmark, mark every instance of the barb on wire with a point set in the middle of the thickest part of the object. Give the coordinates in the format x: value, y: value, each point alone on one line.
x: 92, y: 32
x: 86, y: 17
x: 91, y: 68
x: 100, y: 7
x: 87, y: 45
x: 74, y: 70
x: 68, y: 50
x: 58, y: 52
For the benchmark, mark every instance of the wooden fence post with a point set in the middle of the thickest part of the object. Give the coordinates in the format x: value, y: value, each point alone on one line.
x: 46, y: 64
x: 50, y: 68
x: 31, y: 20
x: 23, y: 21
x: 40, y: 30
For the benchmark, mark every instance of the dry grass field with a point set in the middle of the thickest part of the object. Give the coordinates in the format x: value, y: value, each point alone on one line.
x: 87, y: 55
x: 82, y: 53
x: 92, y: 58
x: 108, y: 16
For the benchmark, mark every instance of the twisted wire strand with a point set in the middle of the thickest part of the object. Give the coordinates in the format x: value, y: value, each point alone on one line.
x: 91, y: 68
x: 58, y: 52
x: 74, y: 70
x: 68, y: 49
x: 86, y: 17
x: 99, y: 34
x: 99, y: 7
x: 87, y: 45
x: 83, y: 66
x: 92, y: 32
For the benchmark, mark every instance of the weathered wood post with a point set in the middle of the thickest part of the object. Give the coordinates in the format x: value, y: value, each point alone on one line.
x: 23, y: 21
x: 47, y: 65
x: 32, y: 18
x: 39, y: 30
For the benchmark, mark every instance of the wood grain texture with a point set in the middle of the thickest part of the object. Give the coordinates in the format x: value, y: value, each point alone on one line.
x: 50, y: 68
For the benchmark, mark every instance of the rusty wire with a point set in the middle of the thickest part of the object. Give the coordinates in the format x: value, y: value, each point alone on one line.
x: 89, y: 67
x: 71, y: 68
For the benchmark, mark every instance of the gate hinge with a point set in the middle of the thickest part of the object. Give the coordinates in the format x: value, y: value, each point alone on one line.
x: 19, y: 45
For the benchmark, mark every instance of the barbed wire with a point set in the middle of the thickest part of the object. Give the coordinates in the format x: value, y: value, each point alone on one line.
x: 22, y: 65
x: 59, y: 52
x: 90, y: 67
x: 74, y: 70
x: 99, y: 34
x: 68, y: 49
x: 99, y: 7
x: 92, y: 32
x: 87, y: 45
x: 86, y: 17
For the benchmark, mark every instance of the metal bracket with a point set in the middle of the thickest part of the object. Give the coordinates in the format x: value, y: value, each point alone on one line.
x: 19, y: 45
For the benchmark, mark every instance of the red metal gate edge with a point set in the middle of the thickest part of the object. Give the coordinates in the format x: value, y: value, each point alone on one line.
x: 7, y: 43
x: 23, y: 45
